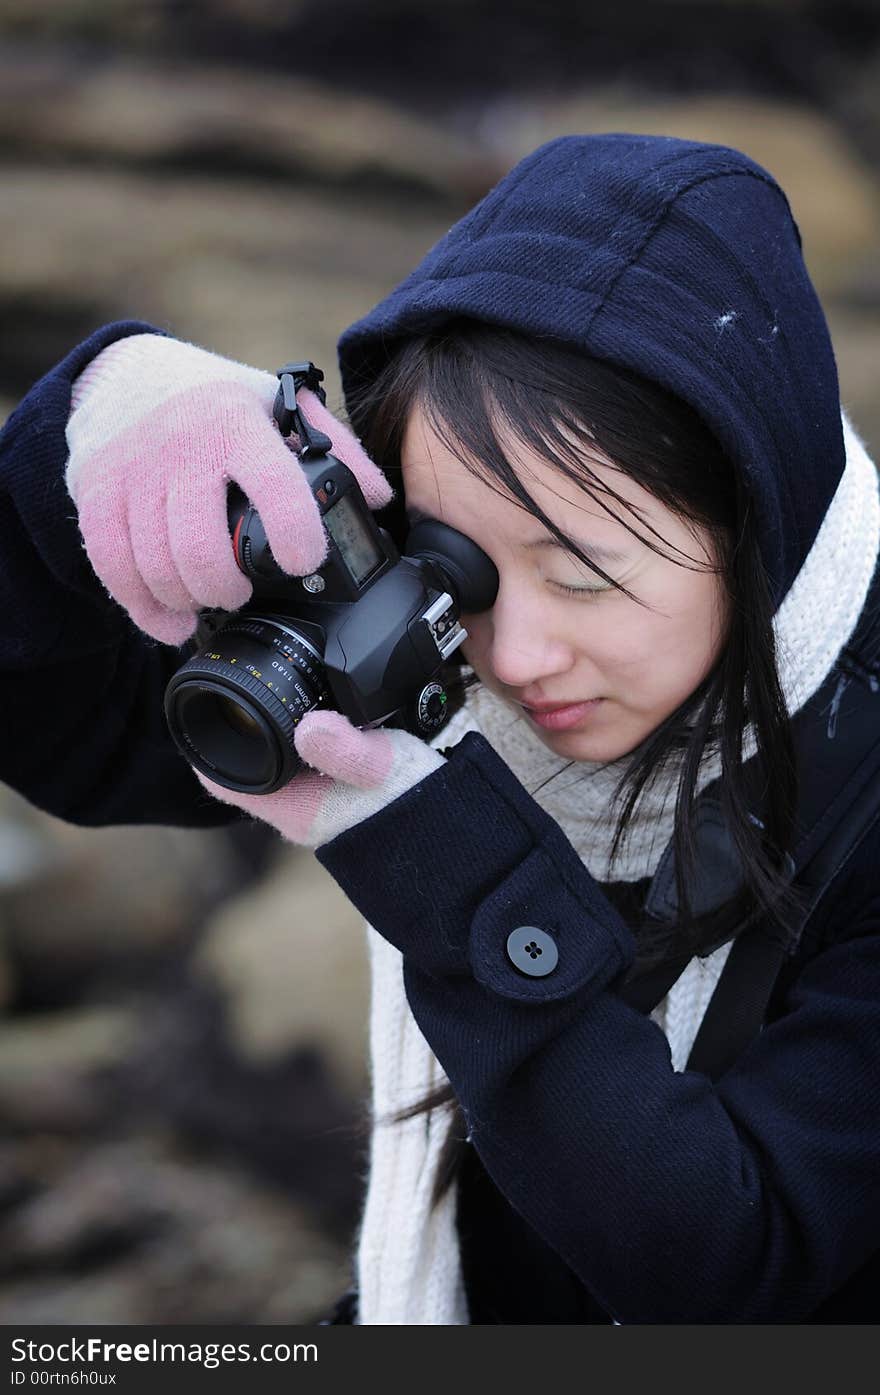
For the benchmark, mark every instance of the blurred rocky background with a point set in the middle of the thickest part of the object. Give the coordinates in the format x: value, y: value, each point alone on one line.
x: 183, y: 1014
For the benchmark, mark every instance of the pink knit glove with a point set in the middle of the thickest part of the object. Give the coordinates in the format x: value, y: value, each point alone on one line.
x: 158, y: 429
x: 353, y: 774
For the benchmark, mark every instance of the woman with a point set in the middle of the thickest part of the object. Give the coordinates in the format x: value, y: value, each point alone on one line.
x: 615, y: 376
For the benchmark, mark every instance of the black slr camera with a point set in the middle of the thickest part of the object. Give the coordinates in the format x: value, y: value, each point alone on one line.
x: 367, y: 634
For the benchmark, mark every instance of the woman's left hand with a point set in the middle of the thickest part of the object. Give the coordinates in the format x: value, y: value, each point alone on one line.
x: 353, y: 774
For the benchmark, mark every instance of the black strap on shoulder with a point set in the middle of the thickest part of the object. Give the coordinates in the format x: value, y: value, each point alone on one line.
x: 837, y: 744
x: 738, y: 1006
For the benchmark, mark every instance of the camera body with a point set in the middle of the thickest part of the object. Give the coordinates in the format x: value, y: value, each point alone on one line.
x: 367, y: 634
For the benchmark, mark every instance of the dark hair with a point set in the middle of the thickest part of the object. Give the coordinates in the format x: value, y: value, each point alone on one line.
x: 474, y: 381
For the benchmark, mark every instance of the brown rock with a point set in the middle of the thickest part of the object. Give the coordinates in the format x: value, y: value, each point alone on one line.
x: 131, y: 1231
x: 135, y: 112
x: 49, y: 1062
x: 260, y: 273
x: 289, y: 958
x: 114, y: 892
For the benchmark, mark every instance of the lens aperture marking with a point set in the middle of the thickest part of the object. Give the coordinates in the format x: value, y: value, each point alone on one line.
x: 273, y: 675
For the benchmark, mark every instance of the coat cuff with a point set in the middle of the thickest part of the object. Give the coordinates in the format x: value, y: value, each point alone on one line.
x: 460, y: 870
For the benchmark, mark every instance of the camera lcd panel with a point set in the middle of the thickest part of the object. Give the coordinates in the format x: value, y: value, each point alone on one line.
x: 350, y: 534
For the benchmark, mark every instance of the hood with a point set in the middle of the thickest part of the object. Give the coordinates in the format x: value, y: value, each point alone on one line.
x: 676, y: 259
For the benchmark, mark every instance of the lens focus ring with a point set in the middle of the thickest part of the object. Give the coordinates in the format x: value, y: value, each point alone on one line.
x: 233, y: 708
x: 284, y: 713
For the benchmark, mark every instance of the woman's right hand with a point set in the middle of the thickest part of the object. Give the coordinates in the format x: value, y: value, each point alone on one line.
x: 158, y: 430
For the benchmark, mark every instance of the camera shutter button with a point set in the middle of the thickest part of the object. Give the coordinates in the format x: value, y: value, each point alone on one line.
x: 329, y: 488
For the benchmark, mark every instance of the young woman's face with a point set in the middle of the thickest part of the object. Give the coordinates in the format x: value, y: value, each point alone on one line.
x: 546, y: 650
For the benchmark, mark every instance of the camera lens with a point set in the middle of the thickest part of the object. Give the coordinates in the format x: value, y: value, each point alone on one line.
x: 233, y: 709
x: 238, y: 717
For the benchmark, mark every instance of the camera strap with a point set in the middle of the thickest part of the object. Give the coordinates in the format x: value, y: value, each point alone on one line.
x: 837, y: 744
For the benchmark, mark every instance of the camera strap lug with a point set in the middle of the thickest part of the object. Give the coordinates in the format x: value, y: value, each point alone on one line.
x: 289, y: 414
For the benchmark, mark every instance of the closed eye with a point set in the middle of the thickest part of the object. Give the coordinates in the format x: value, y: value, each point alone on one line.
x: 580, y: 590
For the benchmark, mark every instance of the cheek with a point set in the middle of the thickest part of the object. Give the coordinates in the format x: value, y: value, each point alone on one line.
x: 624, y: 647
x: 678, y: 649
x: 663, y: 653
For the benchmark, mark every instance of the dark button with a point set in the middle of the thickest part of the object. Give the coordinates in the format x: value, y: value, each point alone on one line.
x: 532, y: 951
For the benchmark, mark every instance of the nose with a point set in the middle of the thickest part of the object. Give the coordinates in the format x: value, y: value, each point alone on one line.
x: 522, y: 645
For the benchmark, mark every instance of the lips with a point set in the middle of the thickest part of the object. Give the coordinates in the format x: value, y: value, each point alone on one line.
x: 554, y: 706
x: 561, y: 716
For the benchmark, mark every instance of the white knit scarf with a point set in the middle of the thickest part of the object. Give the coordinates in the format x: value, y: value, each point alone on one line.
x: 408, y: 1263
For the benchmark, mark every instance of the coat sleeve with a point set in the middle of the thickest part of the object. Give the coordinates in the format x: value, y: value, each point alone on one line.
x: 83, y: 732
x: 673, y: 1199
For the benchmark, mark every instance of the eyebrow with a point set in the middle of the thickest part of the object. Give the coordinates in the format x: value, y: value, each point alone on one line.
x: 593, y: 550
x: 597, y: 551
